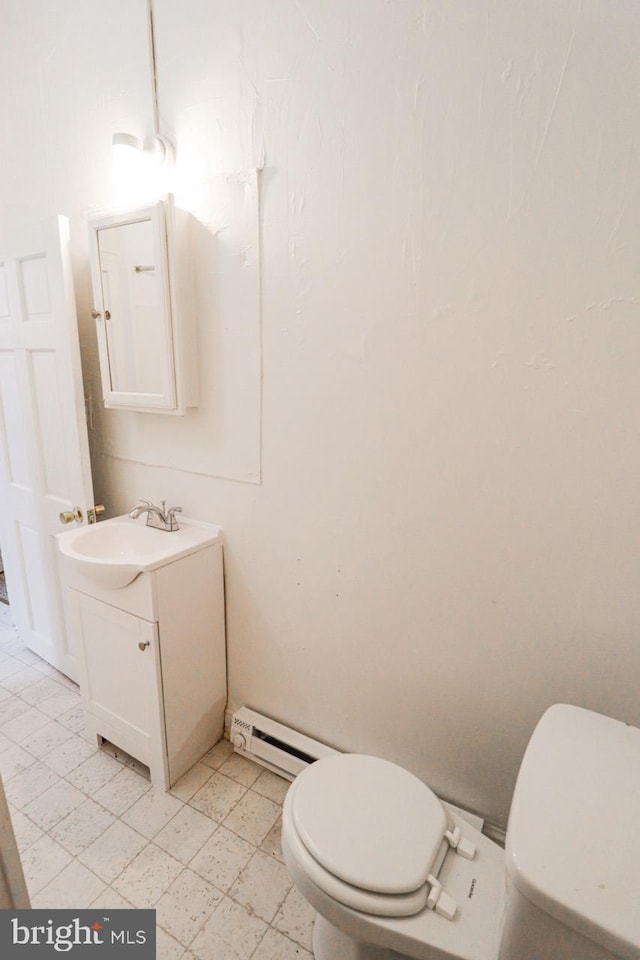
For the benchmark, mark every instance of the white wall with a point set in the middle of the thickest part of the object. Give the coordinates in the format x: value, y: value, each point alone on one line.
x: 419, y: 425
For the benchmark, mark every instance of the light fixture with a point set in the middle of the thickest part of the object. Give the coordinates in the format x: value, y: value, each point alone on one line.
x: 156, y: 147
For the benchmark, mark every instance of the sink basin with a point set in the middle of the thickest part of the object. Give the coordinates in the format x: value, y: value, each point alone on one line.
x: 114, y: 552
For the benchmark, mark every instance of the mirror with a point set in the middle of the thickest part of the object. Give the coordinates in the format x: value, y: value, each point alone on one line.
x: 135, y: 310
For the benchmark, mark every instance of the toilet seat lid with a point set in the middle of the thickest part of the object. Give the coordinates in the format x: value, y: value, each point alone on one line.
x: 369, y: 822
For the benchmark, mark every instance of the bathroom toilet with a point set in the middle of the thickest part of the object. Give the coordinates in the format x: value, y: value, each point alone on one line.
x: 393, y: 873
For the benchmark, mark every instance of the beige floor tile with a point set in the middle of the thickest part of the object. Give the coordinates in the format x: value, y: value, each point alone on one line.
x: 26, y: 786
x: 81, y: 827
x: 272, y: 786
x: 73, y: 719
x: 75, y: 887
x: 109, y: 899
x: 261, y: 886
x: 25, y: 830
x: 275, y: 946
x: 45, y: 668
x: 152, y: 812
x: 185, y: 834
x: 47, y: 739
x: 147, y: 877
x: 11, y: 665
x: 295, y: 919
x: 19, y: 681
x: 28, y: 657
x: 167, y: 948
x: 230, y: 933
x: 122, y: 791
x: 24, y: 723
x: 43, y: 861
x: 14, y: 760
x: 240, y: 769
x: 218, y: 797
x: 93, y: 773
x: 10, y: 708
x: 272, y: 843
x: 41, y: 689
x: 66, y: 681
x: 252, y: 817
x: 222, y: 858
x: 69, y: 755
x: 192, y: 781
x: 111, y: 852
x: 54, y: 804
x: 60, y: 704
x: 186, y: 906
x: 218, y: 754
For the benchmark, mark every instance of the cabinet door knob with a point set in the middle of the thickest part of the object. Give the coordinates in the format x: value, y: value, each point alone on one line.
x: 143, y: 645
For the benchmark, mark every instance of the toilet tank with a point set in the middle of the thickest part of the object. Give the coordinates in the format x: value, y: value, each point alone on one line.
x: 573, y: 842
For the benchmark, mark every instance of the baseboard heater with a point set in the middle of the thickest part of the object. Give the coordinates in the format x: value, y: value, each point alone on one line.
x: 279, y: 748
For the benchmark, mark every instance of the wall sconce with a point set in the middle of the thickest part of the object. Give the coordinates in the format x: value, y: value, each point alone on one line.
x: 156, y: 147
x: 142, y: 167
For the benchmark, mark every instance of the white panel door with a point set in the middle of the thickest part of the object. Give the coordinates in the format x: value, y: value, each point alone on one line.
x: 44, y: 451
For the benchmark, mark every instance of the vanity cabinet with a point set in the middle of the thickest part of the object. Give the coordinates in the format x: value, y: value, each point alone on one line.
x: 151, y: 661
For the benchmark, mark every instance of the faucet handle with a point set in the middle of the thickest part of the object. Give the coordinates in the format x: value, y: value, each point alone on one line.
x: 171, y: 517
x: 141, y: 507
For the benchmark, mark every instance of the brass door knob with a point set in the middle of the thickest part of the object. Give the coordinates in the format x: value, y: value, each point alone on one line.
x: 143, y: 645
x: 68, y: 516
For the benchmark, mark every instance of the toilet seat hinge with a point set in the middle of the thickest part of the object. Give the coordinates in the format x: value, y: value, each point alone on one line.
x: 440, y: 901
x: 464, y: 847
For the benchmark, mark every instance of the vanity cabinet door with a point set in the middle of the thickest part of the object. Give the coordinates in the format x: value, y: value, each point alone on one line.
x: 120, y: 678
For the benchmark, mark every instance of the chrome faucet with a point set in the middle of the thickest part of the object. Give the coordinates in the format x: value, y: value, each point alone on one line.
x: 158, y: 517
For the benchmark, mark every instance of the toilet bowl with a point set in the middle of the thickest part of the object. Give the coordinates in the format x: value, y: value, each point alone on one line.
x: 393, y: 873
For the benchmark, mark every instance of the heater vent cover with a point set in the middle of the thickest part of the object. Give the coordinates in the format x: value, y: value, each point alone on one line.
x: 275, y: 746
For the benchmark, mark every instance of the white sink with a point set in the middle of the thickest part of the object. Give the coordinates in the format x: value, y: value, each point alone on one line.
x: 114, y: 552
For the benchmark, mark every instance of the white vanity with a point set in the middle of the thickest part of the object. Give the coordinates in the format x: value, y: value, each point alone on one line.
x: 146, y: 615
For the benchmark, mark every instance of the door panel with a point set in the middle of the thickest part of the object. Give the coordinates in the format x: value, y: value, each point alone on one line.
x: 44, y: 451
x: 12, y: 424
x: 120, y: 686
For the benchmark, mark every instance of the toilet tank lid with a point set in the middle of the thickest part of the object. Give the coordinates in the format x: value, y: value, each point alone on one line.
x: 573, y: 842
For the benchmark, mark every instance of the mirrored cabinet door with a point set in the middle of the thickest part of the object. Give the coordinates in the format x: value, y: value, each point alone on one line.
x: 136, y: 310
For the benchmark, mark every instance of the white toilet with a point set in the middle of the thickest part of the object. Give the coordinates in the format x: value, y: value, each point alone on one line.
x: 394, y: 874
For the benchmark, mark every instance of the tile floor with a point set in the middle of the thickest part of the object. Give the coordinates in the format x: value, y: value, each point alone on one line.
x: 92, y: 831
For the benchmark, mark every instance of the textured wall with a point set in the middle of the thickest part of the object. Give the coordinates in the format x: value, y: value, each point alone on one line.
x: 419, y: 425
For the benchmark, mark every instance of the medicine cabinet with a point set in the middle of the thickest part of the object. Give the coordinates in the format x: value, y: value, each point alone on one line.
x: 140, y: 273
